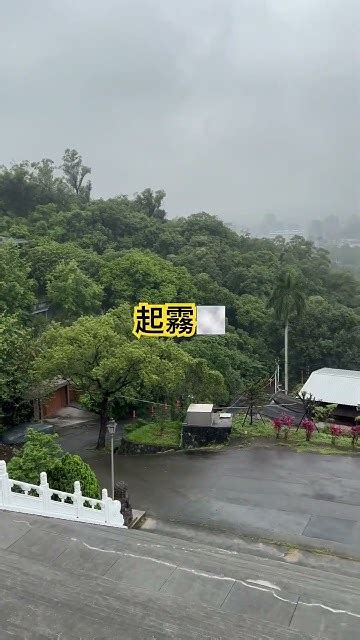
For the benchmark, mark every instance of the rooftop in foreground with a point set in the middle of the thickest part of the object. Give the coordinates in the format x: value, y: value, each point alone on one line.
x: 74, y: 581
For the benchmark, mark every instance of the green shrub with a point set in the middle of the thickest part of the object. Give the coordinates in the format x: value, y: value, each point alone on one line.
x: 70, y: 468
x: 39, y: 453
x: 323, y: 414
x: 136, y: 424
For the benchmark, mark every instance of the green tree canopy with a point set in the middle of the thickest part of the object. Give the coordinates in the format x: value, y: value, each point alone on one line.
x: 16, y: 286
x: 103, y: 360
x: 44, y: 255
x: 40, y: 453
x: 17, y: 352
x: 71, y: 293
x: 69, y: 469
x: 141, y: 276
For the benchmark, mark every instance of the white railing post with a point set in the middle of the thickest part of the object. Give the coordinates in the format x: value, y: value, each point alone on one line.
x: 115, y: 513
x: 44, y: 493
x: 105, y: 499
x: 78, y: 499
x: 4, y: 484
x: 112, y: 510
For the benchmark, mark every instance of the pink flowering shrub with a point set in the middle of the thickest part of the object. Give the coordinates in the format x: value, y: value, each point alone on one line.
x: 335, y: 431
x: 355, y: 432
x: 309, y: 426
x: 277, y: 423
x: 283, y: 422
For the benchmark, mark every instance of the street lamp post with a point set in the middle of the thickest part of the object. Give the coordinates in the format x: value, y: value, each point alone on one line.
x: 111, y: 427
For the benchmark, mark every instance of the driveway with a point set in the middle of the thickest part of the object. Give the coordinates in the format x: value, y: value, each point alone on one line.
x: 263, y: 491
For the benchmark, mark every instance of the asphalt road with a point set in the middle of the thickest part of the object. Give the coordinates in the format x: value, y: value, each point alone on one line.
x: 264, y: 491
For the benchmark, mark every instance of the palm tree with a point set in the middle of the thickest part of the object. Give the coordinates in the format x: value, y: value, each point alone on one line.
x: 288, y: 301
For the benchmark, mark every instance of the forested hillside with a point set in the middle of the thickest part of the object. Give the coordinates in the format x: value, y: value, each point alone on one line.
x: 91, y: 260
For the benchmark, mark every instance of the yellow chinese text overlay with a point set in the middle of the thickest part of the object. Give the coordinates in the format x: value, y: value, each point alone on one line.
x: 173, y: 320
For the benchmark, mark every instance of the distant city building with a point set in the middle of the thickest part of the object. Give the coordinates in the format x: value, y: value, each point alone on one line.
x: 287, y: 234
x: 348, y: 242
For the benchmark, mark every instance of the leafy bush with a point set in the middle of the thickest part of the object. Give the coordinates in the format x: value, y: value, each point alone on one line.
x: 70, y: 468
x: 39, y: 453
x: 336, y: 431
x: 325, y: 414
x: 309, y: 426
x: 42, y: 453
x: 283, y: 422
x: 355, y: 432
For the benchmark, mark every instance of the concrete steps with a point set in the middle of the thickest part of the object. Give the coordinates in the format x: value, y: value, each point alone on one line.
x: 72, y: 581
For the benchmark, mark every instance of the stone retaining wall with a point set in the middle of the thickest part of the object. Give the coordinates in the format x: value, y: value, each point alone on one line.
x: 135, y: 448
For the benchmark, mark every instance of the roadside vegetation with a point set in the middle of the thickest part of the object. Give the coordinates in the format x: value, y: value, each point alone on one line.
x: 165, y: 433
x: 41, y: 452
x: 329, y: 441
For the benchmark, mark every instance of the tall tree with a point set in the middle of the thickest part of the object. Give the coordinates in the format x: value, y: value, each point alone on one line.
x: 26, y: 185
x: 75, y: 172
x: 288, y: 301
x: 94, y: 353
x: 17, y: 190
x: 149, y: 202
x: 106, y: 363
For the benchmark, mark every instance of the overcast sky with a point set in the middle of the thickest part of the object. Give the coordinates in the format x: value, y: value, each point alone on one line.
x: 236, y: 107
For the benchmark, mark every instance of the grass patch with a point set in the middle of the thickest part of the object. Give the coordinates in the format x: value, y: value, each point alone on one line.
x: 319, y: 443
x: 164, y: 433
x: 258, y: 429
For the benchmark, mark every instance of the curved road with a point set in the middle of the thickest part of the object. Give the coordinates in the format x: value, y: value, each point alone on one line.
x: 268, y: 491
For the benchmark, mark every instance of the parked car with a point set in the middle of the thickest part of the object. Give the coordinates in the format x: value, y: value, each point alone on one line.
x: 17, y: 435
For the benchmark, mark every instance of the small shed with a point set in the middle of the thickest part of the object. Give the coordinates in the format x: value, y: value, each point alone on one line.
x: 204, y: 426
x: 200, y: 415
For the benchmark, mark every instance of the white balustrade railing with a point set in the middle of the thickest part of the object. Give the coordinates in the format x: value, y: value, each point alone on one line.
x: 43, y: 501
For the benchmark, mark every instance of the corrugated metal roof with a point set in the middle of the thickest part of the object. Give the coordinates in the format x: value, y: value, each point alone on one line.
x: 335, y: 386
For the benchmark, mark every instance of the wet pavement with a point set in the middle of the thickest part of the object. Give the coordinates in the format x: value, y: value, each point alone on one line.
x: 70, y: 581
x: 262, y: 491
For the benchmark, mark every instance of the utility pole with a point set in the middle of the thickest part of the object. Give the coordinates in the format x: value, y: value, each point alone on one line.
x: 278, y: 373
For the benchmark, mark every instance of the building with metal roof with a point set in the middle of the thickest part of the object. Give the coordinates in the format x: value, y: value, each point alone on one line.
x: 334, y: 386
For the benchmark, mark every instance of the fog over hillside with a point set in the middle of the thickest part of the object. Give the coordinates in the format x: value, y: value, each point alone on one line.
x: 242, y: 108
